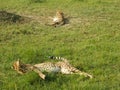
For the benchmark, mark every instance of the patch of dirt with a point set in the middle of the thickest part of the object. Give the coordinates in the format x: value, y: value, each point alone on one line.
x: 7, y: 17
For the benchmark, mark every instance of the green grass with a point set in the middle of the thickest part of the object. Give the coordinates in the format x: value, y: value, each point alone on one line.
x: 91, y: 41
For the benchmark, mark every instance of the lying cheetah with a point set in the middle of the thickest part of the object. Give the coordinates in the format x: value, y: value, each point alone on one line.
x: 62, y: 66
x: 58, y: 19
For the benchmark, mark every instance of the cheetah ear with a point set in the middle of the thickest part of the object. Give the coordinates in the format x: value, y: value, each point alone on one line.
x: 14, y: 66
x: 59, y: 11
x: 18, y: 63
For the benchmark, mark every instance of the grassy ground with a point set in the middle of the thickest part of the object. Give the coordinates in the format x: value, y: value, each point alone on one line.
x: 91, y: 41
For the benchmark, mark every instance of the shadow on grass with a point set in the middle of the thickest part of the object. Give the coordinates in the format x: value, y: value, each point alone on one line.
x: 7, y: 17
x: 49, y: 78
x: 66, y: 20
x: 37, y: 1
x: 58, y: 78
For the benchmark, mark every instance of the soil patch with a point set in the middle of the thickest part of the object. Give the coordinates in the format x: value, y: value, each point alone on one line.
x: 6, y: 17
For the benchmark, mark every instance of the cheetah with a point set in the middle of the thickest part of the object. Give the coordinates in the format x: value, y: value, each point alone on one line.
x: 58, y: 19
x: 62, y: 66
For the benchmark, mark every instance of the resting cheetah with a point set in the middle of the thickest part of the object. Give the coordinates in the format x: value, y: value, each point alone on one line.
x: 58, y: 19
x: 63, y: 67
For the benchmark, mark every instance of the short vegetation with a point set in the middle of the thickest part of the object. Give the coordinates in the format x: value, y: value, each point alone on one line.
x: 90, y: 41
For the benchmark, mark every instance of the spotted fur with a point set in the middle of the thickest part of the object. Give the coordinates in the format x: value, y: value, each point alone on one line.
x: 58, y: 19
x: 63, y: 67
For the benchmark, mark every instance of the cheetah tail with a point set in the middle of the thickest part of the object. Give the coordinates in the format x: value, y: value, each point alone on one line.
x: 58, y: 58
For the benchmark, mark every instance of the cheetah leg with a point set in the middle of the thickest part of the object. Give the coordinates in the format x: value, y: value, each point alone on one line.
x: 81, y: 73
x: 84, y: 74
x: 51, y: 24
x: 35, y: 69
x: 76, y: 71
x: 19, y: 72
x: 61, y: 23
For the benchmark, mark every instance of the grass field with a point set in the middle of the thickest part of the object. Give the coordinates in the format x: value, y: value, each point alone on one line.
x: 91, y: 42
